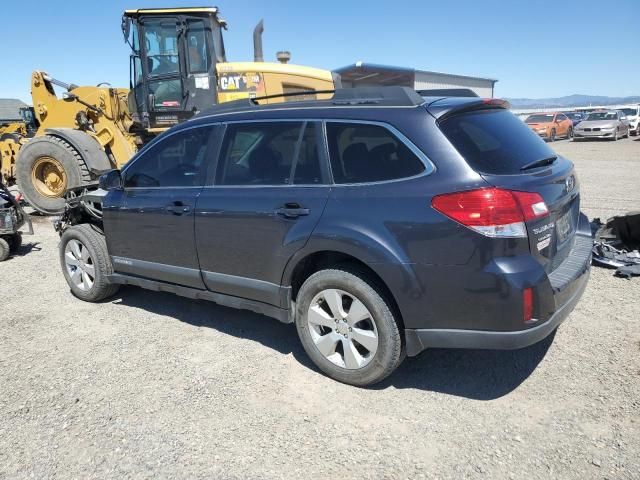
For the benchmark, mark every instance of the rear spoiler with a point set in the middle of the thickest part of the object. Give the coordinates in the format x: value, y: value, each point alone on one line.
x: 445, y: 107
x: 448, y: 92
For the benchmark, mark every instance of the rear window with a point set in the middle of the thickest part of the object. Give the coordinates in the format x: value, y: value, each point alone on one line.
x: 494, y: 141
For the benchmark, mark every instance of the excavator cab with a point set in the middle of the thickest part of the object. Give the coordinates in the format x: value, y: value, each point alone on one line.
x: 173, y: 63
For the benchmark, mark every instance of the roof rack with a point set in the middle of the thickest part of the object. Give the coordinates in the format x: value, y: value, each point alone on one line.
x: 359, y: 96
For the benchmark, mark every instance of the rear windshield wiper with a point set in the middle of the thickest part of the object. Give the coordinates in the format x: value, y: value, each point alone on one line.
x: 539, y: 163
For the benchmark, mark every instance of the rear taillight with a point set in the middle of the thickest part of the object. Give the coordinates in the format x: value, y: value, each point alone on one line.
x: 494, y: 212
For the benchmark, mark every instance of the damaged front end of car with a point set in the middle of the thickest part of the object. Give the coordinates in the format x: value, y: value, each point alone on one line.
x: 82, y: 205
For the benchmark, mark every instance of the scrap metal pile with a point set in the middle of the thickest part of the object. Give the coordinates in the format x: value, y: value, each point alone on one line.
x: 617, y: 244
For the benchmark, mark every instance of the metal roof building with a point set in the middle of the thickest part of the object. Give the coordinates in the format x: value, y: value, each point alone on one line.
x: 10, y: 110
x: 370, y: 74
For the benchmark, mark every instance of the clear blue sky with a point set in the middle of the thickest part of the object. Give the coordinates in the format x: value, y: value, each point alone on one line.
x: 535, y: 48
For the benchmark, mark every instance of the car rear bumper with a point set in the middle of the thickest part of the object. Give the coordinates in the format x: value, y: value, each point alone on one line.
x: 567, y: 283
x: 418, y: 340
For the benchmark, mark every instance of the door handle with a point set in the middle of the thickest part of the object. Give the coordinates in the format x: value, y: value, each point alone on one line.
x: 178, y: 208
x: 292, y: 210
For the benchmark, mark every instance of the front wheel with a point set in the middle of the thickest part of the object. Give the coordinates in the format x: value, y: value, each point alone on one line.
x: 615, y: 135
x: 347, y: 327
x: 552, y: 136
x: 570, y: 133
x: 86, y: 264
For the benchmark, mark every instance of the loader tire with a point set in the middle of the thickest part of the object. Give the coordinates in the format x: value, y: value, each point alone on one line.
x: 45, y: 168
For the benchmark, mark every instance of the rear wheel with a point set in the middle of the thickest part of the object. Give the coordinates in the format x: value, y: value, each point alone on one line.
x: 86, y: 264
x: 347, y: 327
x: 46, y: 167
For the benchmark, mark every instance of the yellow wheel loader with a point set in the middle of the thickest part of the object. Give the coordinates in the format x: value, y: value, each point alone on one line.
x: 178, y: 67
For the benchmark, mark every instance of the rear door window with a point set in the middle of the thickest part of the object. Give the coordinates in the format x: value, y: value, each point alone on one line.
x: 494, y: 141
x: 270, y: 153
x: 362, y: 153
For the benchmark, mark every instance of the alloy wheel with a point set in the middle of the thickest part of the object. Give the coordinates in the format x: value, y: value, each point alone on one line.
x: 342, y: 329
x: 79, y: 265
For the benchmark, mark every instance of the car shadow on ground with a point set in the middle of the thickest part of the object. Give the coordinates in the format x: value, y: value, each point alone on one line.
x: 475, y: 374
x: 26, y: 248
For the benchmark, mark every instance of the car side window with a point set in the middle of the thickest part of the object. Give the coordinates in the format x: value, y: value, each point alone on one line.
x: 361, y: 153
x: 270, y: 153
x: 178, y: 160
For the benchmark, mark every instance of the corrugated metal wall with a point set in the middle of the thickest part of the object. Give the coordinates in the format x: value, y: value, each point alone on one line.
x: 427, y: 80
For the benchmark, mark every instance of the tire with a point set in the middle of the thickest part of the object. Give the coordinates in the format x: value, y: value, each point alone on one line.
x: 570, y: 133
x: 86, y: 268
x: 377, y: 321
x: 552, y: 137
x: 53, y: 152
x: 15, y: 242
x: 615, y: 136
x: 5, y: 250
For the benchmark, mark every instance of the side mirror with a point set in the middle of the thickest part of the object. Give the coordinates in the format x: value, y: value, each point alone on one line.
x: 111, y: 180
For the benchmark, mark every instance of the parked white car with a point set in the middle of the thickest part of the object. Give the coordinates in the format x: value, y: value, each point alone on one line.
x: 633, y: 116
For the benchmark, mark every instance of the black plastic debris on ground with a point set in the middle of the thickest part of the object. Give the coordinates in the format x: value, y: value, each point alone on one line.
x: 617, y: 244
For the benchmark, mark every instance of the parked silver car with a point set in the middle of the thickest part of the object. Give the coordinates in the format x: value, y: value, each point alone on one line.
x: 611, y: 124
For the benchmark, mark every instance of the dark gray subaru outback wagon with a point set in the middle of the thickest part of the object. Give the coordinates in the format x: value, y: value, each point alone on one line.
x: 381, y: 222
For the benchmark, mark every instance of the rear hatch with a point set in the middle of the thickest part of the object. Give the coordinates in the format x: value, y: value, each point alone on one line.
x: 508, y: 155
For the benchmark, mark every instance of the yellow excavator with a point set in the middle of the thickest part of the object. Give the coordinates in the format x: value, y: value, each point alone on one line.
x: 178, y: 67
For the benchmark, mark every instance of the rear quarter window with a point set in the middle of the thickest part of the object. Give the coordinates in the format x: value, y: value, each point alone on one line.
x: 494, y: 141
x: 362, y: 153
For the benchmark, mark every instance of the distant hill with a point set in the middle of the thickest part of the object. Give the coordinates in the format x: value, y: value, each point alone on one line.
x: 574, y: 100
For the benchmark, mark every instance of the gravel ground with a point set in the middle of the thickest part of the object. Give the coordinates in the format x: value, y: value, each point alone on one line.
x: 153, y: 385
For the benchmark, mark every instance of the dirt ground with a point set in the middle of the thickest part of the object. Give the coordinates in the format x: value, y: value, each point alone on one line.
x: 150, y: 385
